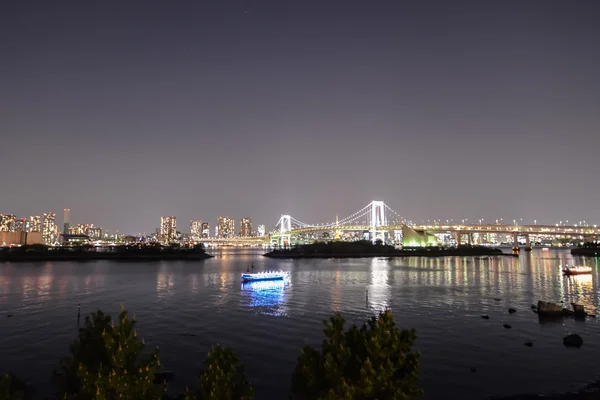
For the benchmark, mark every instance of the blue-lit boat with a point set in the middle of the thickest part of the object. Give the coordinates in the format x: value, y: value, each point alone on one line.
x: 265, y: 276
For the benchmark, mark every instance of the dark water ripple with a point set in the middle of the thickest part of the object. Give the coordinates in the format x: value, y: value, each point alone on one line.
x: 184, y: 308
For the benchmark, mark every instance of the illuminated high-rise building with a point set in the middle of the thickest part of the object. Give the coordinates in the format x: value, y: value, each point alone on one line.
x: 14, y: 224
x: 261, y: 230
x: 19, y: 225
x: 6, y: 222
x: 168, y: 229
x: 246, y: 227
x: 48, y: 228
x: 80, y: 229
x: 66, y: 220
x: 225, y: 227
x: 195, y: 229
x: 35, y: 223
x: 93, y: 233
x: 205, y: 230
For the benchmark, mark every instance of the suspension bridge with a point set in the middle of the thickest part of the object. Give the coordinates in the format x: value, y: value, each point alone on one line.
x: 377, y: 221
x: 375, y: 218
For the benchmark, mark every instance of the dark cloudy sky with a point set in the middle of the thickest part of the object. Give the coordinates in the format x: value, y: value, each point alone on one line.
x: 128, y: 110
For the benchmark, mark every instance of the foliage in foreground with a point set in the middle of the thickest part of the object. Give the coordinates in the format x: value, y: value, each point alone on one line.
x: 12, y: 388
x: 222, y: 378
x: 375, y: 361
x: 106, y: 363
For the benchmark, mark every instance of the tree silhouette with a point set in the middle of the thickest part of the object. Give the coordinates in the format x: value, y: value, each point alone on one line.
x: 105, y: 363
x: 12, y: 388
x: 375, y: 361
x: 222, y: 378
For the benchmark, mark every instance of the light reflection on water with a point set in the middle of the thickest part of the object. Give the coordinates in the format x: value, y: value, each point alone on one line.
x: 164, y: 283
x: 195, y: 283
x: 266, y: 297
x: 581, y: 289
x: 268, y: 322
x: 379, y: 291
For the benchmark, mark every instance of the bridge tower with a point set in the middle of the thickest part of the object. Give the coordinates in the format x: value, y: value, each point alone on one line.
x: 337, y: 230
x: 378, y: 219
x: 285, y: 227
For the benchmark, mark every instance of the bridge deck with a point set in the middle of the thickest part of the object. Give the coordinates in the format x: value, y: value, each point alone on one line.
x: 500, y: 229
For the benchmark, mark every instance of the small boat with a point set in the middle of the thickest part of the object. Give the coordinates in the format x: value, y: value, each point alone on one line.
x: 265, y: 276
x: 270, y: 286
x: 577, y: 270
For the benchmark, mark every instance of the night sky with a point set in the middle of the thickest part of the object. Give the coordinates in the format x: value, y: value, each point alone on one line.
x: 125, y: 111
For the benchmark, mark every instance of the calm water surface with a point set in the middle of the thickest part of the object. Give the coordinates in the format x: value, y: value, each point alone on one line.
x: 267, y: 324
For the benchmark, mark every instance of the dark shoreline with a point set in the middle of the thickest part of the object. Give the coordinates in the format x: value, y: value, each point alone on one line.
x: 408, y: 254
x: 119, y: 255
x: 586, y: 251
x: 368, y: 250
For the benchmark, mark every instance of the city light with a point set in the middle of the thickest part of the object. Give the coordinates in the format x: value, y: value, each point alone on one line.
x: 168, y: 229
x: 195, y: 230
x: 225, y: 227
x: 370, y: 222
x: 246, y: 227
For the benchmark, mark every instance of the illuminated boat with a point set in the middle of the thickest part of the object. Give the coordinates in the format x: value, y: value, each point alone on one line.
x: 271, y: 285
x: 265, y: 276
x: 577, y: 270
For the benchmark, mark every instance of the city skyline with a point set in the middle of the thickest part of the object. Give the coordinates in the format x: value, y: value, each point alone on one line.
x: 463, y: 110
x: 11, y: 223
x: 167, y: 225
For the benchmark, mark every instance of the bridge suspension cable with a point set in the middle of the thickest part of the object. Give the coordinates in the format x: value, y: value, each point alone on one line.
x: 400, y: 219
x: 299, y: 223
x: 282, y: 224
x: 352, y: 218
x: 344, y: 221
x: 360, y: 217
